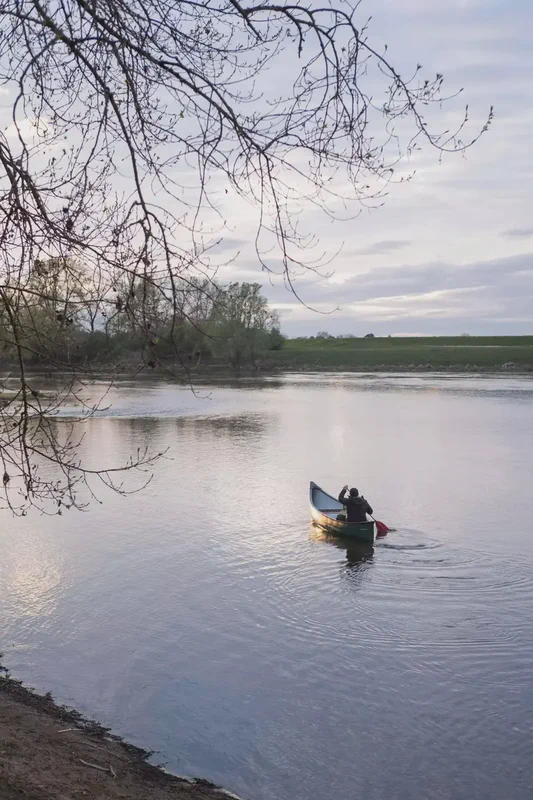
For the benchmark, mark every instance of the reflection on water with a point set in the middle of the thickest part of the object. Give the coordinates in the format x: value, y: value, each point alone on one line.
x: 32, y: 579
x: 239, y: 426
x: 358, y: 554
x: 204, y: 618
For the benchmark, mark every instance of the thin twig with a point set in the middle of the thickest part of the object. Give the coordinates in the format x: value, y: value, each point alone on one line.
x: 94, y: 766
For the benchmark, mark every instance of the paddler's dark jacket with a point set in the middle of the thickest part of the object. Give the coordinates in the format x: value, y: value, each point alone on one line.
x: 356, y: 507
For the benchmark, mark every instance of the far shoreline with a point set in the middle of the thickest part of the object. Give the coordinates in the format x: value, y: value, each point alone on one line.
x: 484, y: 355
x: 174, y: 371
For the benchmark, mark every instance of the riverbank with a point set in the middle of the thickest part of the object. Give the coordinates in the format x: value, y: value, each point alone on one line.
x: 453, y: 354
x: 48, y: 752
x: 407, y: 354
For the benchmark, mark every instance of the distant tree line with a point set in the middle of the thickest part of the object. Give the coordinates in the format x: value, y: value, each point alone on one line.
x: 326, y: 335
x: 69, y: 316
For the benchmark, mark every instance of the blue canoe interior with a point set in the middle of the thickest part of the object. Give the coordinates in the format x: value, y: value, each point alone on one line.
x: 324, y: 511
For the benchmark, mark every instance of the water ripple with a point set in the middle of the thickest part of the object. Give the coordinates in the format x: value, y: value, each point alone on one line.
x: 455, y: 604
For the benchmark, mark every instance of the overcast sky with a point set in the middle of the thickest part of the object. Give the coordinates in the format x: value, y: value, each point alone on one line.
x: 451, y: 251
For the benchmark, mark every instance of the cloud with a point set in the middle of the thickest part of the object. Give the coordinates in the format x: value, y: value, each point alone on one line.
x: 448, y: 304
x: 385, y: 246
x: 447, y: 246
x: 229, y: 243
x: 518, y: 233
x: 497, y: 275
x: 30, y: 130
x: 485, y: 296
x: 283, y: 311
x: 445, y: 252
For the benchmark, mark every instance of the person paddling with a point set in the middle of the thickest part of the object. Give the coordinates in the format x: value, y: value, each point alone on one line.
x: 356, y: 506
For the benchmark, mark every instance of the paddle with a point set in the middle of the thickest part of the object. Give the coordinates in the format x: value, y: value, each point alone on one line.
x: 381, y: 528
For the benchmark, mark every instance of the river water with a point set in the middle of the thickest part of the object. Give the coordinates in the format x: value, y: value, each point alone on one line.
x: 206, y: 619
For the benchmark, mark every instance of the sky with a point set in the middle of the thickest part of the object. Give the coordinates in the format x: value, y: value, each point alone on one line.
x: 451, y: 251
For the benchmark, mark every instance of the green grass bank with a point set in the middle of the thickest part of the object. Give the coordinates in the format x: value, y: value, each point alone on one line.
x: 482, y: 353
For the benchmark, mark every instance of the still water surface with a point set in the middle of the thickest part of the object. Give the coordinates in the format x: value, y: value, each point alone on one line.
x: 206, y: 619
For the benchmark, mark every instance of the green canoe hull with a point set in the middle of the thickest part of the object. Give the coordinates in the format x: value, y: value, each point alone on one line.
x: 324, y: 510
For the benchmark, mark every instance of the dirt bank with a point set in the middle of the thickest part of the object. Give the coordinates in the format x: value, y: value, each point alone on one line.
x: 51, y: 753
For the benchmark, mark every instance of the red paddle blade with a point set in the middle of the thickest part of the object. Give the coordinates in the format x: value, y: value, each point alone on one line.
x: 381, y: 528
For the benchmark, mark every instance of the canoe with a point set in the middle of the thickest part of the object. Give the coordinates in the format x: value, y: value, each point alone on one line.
x: 324, y: 510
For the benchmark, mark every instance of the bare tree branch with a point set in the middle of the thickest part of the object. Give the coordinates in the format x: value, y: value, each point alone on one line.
x: 132, y: 126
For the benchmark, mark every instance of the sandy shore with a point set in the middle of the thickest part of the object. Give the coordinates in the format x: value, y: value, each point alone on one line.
x: 51, y: 753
